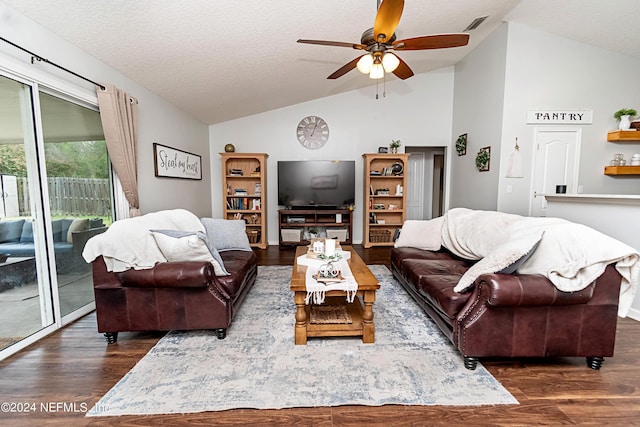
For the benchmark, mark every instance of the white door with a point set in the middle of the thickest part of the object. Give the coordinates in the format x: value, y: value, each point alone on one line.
x: 415, y: 186
x: 557, y: 156
x: 9, y: 201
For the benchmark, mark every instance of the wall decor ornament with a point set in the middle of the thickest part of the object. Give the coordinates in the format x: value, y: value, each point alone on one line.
x: 173, y: 163
x: 483, y: 159
x: 312, y: 132
x: 461, y: 144
x: 230, y: 148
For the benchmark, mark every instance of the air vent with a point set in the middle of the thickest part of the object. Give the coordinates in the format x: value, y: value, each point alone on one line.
x: 475, y: 24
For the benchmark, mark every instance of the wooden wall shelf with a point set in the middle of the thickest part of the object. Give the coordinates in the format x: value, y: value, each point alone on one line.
x: 623, y: 135
x: 622, y: 170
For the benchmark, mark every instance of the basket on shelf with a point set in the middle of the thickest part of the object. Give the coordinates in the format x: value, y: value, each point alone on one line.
x: 379, y: 236
x: 253, y: 235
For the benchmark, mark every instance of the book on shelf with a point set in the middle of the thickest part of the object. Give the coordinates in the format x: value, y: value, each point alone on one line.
x: 240, y: 191
x: 236, y: 172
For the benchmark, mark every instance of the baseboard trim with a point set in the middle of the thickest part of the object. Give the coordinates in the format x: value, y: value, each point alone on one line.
x: 634, y: 314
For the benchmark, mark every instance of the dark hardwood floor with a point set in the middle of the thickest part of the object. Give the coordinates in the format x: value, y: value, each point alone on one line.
x: 75, y: 367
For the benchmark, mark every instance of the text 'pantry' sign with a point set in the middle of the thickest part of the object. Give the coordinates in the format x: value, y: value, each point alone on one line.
x: 564, y: 117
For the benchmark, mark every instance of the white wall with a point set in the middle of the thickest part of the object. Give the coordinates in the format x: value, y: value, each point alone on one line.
x: 478, y: 111
x: 417, y: 111
x: 599, y: 213
x: 158, y: 121
x: 545, y: 71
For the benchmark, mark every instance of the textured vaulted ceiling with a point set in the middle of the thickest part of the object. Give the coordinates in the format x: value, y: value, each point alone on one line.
x: 219, y: 60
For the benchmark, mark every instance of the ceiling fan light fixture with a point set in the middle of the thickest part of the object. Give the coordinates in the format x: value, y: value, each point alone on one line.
x: 377, y: 71
x: 390, y: 62
x: 365, y: 63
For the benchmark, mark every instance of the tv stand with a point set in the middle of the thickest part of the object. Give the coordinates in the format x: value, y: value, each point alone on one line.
x: 295, y: 223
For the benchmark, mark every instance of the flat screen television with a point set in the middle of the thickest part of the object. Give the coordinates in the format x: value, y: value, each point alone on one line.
x: 316, y: 184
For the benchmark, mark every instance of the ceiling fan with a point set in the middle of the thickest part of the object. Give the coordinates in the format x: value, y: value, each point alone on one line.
x: 381, y: 39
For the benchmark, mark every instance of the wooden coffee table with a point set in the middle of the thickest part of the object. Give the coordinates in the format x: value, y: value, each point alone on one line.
x: 362, y: 317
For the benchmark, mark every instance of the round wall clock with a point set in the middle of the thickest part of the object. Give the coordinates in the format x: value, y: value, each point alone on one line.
x: 312, y: 132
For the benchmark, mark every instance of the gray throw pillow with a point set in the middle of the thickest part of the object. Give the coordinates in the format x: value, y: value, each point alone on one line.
x: 10, y: 231
x: 178, y: 245
x: 227, y: 234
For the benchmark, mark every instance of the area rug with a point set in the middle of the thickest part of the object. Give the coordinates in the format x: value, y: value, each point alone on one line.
x: 258, y: 366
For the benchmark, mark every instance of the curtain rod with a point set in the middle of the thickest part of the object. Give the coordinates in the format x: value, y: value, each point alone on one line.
x: 40, y: 58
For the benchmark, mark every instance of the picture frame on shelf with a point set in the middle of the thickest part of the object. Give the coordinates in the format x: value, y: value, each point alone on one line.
x: 383, y: 150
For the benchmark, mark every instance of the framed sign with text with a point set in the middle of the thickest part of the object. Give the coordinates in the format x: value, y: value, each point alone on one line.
x: 173, y: 163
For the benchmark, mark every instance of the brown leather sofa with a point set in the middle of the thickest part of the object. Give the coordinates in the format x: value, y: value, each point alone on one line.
x: 172, y: 295
x: 511, y: 315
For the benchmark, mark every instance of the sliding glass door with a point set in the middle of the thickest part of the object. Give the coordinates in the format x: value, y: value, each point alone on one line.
x: 25, y: 291
x: 79, y: 194
x: 56, y: 194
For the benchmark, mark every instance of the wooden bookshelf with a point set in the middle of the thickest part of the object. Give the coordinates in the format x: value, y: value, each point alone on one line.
x: 244, y: 193
x: 385, y: 203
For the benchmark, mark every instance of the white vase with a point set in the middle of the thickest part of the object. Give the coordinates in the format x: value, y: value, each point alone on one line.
x: 625, y: 122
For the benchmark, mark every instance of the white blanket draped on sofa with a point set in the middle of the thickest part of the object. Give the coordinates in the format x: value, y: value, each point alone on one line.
x: 129, y: 243
x: 570, y: 255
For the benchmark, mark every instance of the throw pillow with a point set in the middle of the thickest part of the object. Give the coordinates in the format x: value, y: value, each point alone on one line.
x: 500, y: 259
x: 227, y: 234
x: 27, y: 232
x: 10, y: 231
x: 78, y: 224
x: 188, y: 246
x: 421, y: 234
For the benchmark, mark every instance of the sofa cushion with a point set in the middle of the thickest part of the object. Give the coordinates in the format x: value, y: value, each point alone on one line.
x: 60, y: 228
x: 413, y: 269
x: 10, y: 231
x: 398, y: 255
x: 239, y: 264
x: 27, y: 232
x: 227, y: 234
x: 438, y: 290
x: 188, y: 246
x: 95, y: 223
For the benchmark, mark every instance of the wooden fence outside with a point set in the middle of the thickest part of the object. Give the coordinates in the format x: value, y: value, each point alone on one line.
x: 71, y: 196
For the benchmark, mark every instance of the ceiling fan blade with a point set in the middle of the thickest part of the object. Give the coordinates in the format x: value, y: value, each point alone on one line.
x: 403, y: 71
x: 344, y: 69
x: 330, y: 43
x: 387, y: 19
x: 435, y: 41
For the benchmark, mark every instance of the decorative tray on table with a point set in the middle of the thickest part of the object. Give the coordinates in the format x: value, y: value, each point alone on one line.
x: 328, y: 280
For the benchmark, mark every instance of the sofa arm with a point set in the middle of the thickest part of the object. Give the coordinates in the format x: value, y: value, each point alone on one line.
x: 185, y: 274
x: 527, y: 290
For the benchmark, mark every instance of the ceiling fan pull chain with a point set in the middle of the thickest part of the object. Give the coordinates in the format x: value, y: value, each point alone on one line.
x: 377, y: 81
x: 384, y: 85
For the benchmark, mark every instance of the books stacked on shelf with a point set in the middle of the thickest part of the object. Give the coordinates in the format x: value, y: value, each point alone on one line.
x: 240, y: 192
x: 235, y: 172
x: 244, y: 203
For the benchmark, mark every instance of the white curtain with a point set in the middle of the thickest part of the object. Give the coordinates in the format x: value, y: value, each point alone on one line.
x: 118, y: 112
